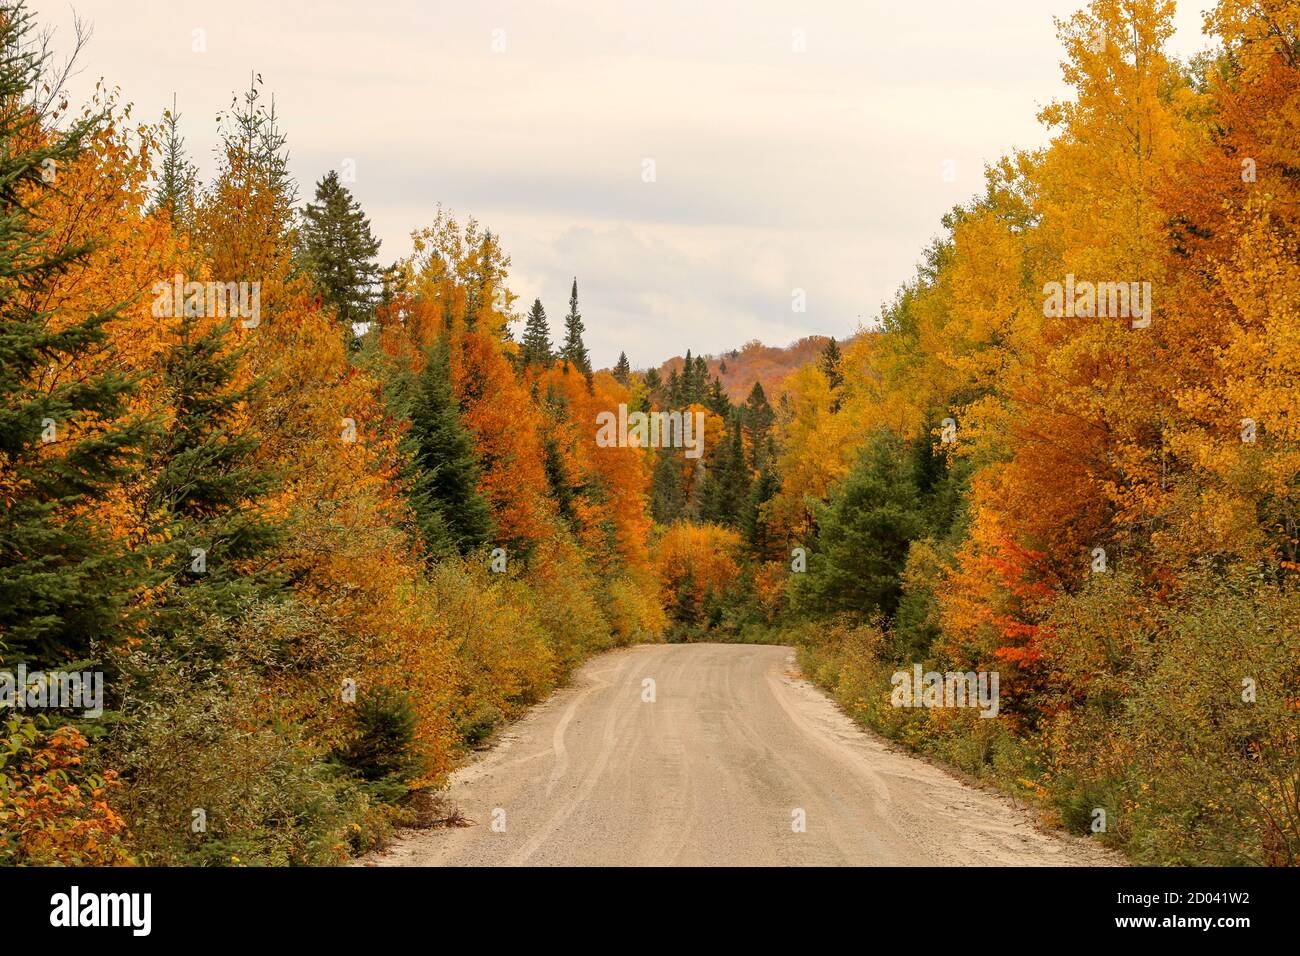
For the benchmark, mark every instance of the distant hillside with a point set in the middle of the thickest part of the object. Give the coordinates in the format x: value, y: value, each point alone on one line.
x: 740, y: 368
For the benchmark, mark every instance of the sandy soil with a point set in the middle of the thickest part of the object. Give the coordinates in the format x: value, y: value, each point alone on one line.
x: 718, y: 770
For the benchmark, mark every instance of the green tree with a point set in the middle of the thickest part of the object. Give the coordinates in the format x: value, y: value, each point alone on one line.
x: 177, y: 188
x: 536, y: 346
x: 727, y: 482
x: 863, y: 536
x: 340, y: 252
x: 831, y: 364
x: 66, y: 437
x: 623, y: 369
x: 758, y: 417
x: 206, y: 489
x: 762, y: 543
x: 573, y: 350
x: 452, y: 516
x: 667, y: 493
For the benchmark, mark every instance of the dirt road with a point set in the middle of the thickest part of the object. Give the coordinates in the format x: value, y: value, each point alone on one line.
x: 717, y: 762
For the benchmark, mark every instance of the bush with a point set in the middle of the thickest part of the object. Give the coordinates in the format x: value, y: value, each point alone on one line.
x: 53, y: 811
x: 381, y: 744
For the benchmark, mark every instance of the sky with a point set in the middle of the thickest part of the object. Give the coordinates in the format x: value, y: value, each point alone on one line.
x: 700, y: 167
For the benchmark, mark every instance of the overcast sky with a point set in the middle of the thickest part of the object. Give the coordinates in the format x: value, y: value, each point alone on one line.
x: 775, y: 169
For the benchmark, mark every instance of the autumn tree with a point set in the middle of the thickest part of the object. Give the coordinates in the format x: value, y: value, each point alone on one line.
x: 177, y: 188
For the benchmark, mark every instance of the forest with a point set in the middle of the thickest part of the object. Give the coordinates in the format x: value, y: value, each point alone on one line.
x: 325, y: 526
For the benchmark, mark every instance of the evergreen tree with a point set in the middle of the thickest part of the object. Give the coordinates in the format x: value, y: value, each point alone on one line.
x: 536, y: 346
x: 831, y: 365
x: 716, y: 400
x: 688, y: 392
x: 623, y: 369
x: 700, y: 379
x: 758, y: 418
x: 340, y: 252
x: 667, y: 494
x: 65, y: 439
x: 177, y: 188
x: 564, y: 490
x: 205, y: 488
x: 574, y: 351
x: 727, y: 482
x: 762, y: 543
x: 654, y: 385
x: 244, y: 220
x: 674, y: 389
x: 863, y: 536
x: 451, y: 514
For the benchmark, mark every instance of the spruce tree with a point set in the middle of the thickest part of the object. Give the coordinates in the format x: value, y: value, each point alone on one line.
x: 536, y: 346
x: 831, y: 365
x: 667, y: 494
x: 451, y: 514
x: 727, y: 482
x: 758, y: 418
x: 574, y: 351
x: 762, y: 543
x: 701, y: 379
x: 654, y: 384
x: 623, y: 369
x: 65, y: 439
x: 686, y: 382
x: 340, y: 252
x: 177, y: 188
x: 863, y: 535
x: 716, y: 399
x: 206, y: 489
x: 674, y: 389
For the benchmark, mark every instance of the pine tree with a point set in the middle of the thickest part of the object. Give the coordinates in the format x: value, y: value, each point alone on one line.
x: 451, y: 514
x: 563, y: 487
x: 673, y: 389
x: 727, y: 482
x: 864, y: 534
x: 762, y: 543
x: 340, y: 252
x: 574, y: 352
x: 177, y: 188
x: 831, y: 365
x: 623, y: 369
x: 701, y: 379
x: 536, y: 347
x: 667, y: 495
x: 654, y: 384
x: 65, y: 439
x: 244, y: 220
x: 206, y: 490
x: 716, y: 399
x: 758, y: 418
